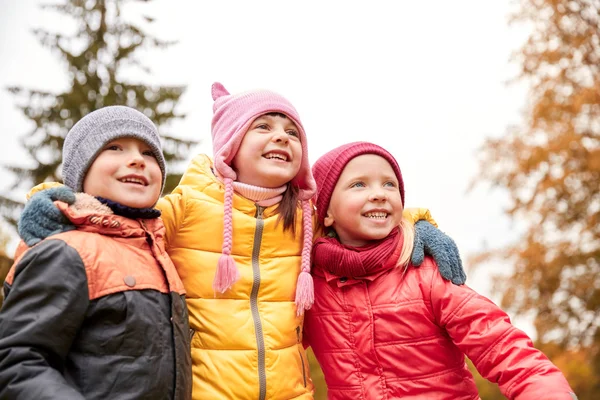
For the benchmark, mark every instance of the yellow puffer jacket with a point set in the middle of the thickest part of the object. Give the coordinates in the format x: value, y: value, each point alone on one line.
x: 247, y: 342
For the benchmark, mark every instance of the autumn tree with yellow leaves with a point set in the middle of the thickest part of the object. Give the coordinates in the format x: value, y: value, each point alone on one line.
x: 550, y: 166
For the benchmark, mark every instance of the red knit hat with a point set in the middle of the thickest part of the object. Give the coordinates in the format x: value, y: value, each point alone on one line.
x: 232, y: 116
x: 329, y: 167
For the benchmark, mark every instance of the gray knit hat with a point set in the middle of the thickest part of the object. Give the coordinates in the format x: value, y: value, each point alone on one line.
x: 91, y: 133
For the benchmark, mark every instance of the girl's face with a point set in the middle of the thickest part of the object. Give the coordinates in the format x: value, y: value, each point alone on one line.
x: 125, y: 171
x: 270, y: 154
x: 366, y: 203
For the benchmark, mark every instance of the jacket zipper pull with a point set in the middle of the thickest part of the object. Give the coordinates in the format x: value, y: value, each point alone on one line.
x: 259, y: 212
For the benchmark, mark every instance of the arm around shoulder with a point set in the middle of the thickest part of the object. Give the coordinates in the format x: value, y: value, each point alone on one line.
x: 172, y: 209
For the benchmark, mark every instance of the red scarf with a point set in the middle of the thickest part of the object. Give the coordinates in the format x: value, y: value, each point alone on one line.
x: 341, y: 260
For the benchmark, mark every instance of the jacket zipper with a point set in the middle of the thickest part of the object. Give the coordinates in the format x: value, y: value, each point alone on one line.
x: 260, y: 340
x: 301, y: 357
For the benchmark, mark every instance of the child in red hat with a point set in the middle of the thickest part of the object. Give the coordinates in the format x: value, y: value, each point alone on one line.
x: 382, y: 329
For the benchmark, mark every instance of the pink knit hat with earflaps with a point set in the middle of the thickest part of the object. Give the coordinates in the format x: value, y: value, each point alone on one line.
x: 232, y: 116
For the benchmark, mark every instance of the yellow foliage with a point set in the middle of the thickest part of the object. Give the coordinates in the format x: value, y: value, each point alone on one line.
x: 487, y: 390
x: 577, y: 365
x: 550, y: 167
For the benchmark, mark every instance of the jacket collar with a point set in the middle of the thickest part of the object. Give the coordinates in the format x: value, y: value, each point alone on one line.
x: 89, y: 215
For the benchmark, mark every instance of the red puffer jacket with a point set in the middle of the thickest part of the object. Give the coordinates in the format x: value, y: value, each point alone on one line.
x: 398, y: 335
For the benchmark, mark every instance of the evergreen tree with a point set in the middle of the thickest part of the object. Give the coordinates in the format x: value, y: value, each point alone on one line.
x: 96, y: 54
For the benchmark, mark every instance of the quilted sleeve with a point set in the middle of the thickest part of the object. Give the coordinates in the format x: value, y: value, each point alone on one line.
x: 172, y: 208
x: 45, y: 305
x: 501, y: 353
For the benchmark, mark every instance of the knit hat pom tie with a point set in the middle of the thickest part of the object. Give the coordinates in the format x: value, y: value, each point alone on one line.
x: 227, y: 272
x: 305, y: 291
x: 305, y: 294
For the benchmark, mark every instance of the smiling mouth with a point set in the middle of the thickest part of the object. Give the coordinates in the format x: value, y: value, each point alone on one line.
x: 276, y: 156
x: 136, y: 181
x: 376, y: 215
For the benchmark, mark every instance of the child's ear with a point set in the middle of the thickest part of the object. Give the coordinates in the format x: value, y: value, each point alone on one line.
x: 329, y: 220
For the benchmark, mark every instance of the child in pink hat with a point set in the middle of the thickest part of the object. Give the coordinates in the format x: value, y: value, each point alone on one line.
x: 382, y: 329
x: 239, y: 229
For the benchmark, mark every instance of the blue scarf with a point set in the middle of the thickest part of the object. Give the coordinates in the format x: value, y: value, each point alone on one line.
x: 130, y: 212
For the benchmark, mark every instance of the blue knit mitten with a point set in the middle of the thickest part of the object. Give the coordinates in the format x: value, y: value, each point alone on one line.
x: 41, y: 218
x: 430, y: 240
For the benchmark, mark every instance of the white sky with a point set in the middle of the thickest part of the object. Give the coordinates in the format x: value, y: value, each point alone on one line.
x: 426, y: 80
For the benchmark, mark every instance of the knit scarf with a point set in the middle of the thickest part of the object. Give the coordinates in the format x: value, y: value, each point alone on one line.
x: 130, y: 212
x: 341, y: 260
x: 264, y: 197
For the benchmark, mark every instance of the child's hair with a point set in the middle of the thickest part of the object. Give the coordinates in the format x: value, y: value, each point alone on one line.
x: 232, y: 117
x: 408, y: 234
x: 327, y: 171
x: 288, y: 207
x: 90, y: 134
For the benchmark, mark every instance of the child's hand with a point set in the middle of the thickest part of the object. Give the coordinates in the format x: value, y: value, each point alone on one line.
x: 430, y: 240
x: 40, y: 217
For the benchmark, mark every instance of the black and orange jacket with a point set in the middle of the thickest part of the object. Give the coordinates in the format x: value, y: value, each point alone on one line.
x: 95, y: 313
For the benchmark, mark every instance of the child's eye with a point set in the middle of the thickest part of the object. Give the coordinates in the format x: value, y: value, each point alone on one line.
x: 148, y: 153
x: 357, y: 184
x: 390, y: 184
x: 262, y: 126
x: 293, y: 133
x: 112, y: 147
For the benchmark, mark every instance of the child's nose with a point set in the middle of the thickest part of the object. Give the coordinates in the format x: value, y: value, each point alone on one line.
x: 377, y: 195
x: 137, y: 160
x: 280, y: 136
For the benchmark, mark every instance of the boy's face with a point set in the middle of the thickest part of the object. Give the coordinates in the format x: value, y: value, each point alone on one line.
x: 270, y: 154
x: 366, y: 203
x: 126, y: 172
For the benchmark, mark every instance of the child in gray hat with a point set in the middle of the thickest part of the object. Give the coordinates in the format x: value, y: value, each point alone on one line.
x: 99, y: 312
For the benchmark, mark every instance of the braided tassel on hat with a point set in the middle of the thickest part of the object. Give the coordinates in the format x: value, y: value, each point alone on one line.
x: 227, y: 272
x: 305, y: 291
